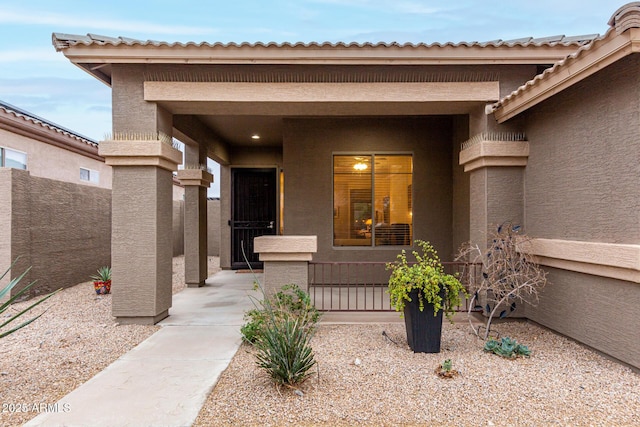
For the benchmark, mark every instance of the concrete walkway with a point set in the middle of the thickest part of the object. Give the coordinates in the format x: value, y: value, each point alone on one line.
x: 165, y: 380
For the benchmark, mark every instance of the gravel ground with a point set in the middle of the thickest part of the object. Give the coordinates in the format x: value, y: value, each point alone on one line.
x: 74, y: 340
x: 563, y: 383
x: 365, y: 379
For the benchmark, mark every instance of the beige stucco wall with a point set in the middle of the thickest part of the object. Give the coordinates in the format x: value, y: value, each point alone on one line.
x: 308, y: 148
x: 178, y: 192
x: 213, y: 225
x: 461, y: 187
x: 62, y: 230
x: 597, y: 311
x: 49, y: 161
x: 582, y: 184
x: 583, y: 170
x: 178, y: 227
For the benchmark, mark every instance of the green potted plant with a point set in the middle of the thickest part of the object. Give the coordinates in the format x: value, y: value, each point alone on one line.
x: 422, y: 291
x: 102, y: 280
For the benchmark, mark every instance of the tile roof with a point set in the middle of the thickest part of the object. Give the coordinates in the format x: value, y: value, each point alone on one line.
x: 544, y: 75
x: 627, y: 16
x: 25, y: 115
x: 63, y: 41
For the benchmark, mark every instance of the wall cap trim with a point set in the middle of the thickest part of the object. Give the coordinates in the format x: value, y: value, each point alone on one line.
x: 494, y: 153
x: 618, y: 261
x: 140, y: 153
x: 196, y: 177
x: 285, y: 248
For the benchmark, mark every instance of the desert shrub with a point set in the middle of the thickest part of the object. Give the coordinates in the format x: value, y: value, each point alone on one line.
x: 290, y: 300
x: 510, y: 274
x: 281, y: 327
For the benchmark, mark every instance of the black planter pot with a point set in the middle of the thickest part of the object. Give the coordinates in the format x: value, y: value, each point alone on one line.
x: 424, y: 330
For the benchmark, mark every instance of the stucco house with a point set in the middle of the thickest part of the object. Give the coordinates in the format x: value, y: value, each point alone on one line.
x: 48, y: 150
x: 349, y: 152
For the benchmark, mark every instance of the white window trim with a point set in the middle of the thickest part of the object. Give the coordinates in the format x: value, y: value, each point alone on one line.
x: 3, y: 150
x: 92, y: 173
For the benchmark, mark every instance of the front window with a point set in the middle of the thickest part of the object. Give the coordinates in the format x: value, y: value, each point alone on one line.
x: 372, y: 201
x: 12, y: 159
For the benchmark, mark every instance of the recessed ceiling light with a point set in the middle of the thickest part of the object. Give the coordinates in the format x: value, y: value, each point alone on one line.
x: 255, y: 136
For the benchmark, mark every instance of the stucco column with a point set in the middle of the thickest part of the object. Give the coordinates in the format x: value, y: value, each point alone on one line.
x: 196, y: 182
x: 286, y: 260
x: 141, y: 249
x: 496, y: 169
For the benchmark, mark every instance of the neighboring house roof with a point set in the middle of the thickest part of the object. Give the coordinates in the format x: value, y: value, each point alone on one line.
x: 19, y: 121
x: 95, y: 54
x: 619, y: 41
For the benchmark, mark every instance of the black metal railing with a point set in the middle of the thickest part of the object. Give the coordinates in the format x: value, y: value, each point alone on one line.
x: 362, y: 286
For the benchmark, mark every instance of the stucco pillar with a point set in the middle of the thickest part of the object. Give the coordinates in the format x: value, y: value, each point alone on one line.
x: 141, y: 248
x: 286, y: 260
x: 496, y: 181
x: 196, y: 182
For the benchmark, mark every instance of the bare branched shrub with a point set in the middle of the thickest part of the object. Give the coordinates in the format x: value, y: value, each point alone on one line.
x: 509, y: 275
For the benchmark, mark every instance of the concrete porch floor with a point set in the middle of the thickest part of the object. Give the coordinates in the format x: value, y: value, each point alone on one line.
x: 165, y: 380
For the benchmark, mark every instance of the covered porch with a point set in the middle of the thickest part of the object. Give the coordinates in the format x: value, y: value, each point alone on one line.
x: 276, y: 118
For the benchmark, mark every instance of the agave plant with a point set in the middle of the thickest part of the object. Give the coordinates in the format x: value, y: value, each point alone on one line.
x: 104, y: 274
x: 5, y: 306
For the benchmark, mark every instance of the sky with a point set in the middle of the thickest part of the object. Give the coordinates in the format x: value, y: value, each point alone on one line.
x: 36, y: 78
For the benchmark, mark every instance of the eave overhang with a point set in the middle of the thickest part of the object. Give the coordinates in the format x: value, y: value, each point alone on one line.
x: 94, y: 53
x: 622, y: 39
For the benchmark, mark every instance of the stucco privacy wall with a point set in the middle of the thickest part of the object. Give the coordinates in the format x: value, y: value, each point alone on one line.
x: 307, y: 153
x: 62, y: 230
x: 582, y: 184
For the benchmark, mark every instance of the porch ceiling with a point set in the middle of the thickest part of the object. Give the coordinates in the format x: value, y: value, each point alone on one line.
x: 236, y: 111
x: 266, y: 119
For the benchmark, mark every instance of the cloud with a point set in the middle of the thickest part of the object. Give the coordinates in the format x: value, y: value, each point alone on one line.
x: 25, y: 17
x: 38, y: 54
x: 82, y: 112
x: 401, y: 6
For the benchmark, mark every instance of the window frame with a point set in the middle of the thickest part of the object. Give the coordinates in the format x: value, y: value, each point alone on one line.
x: 372, y: 154
x: 3, y: 156
x: 92, y: 172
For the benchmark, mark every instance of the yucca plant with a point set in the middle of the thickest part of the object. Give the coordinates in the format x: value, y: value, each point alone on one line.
x: 281, y: 327
x: 5, y: 306
x: 289, y: 300
x: 284, y: 350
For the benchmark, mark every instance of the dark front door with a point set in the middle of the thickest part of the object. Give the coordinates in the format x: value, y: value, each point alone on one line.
x: 253, y: 213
